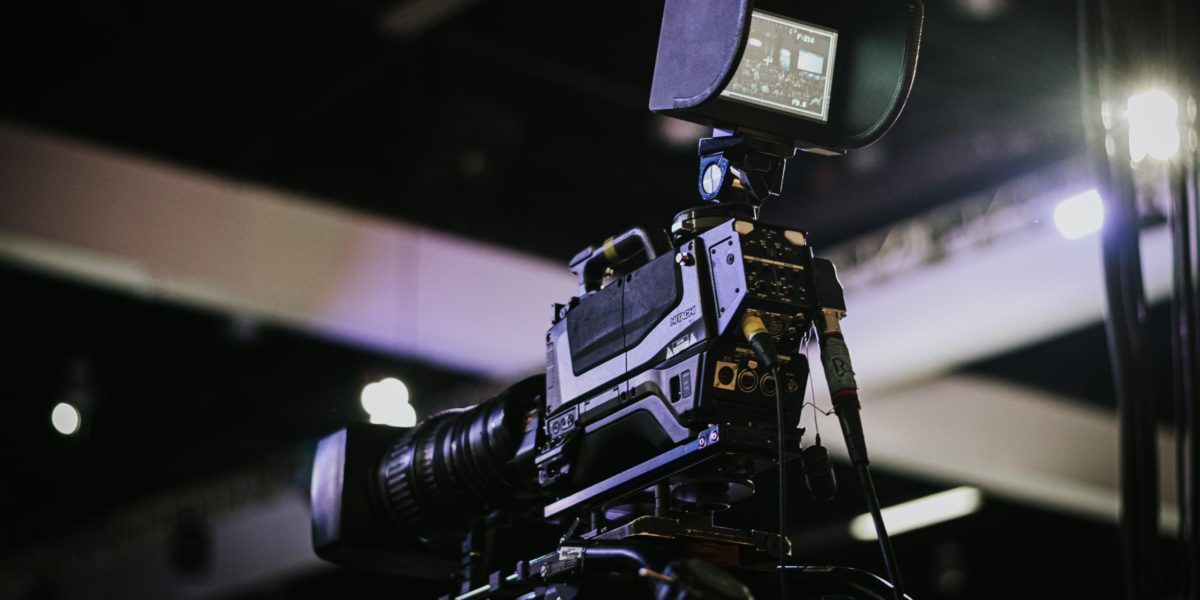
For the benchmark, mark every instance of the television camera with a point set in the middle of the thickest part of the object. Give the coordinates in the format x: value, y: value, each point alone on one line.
x: 676, y: 375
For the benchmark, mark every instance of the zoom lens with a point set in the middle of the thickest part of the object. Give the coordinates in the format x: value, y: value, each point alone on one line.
x: 442, y: 476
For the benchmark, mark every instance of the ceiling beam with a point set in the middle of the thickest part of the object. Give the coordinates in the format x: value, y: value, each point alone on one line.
x: 173, y: 234
x: 168, y: 233
x: 1015, y: 442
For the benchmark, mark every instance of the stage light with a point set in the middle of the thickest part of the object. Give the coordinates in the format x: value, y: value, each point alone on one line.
x: 65, y: 418
x: 1079, y: 215
x: 922, y: 512
x: 1153, y: 125
x: 386, y: 401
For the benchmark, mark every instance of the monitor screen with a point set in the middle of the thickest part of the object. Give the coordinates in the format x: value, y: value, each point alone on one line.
x: 787, y: 67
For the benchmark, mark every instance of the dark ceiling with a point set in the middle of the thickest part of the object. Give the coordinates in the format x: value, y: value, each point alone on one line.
x: 523, y: 123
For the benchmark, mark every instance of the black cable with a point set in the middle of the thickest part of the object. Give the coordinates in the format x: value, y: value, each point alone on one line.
x: 1106, y: 58
x: 1185, y: 370
x: 1188, y: 430
x: 761, y: 343
x: 843, y: 394
x: 885, y: 541
x: 1182, y: 56
x: 782, y: 484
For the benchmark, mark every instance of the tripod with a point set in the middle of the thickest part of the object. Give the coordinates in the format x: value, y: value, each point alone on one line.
x: 670, y: 555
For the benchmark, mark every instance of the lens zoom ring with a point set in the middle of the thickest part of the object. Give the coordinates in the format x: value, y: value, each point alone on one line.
x: 410, y: 486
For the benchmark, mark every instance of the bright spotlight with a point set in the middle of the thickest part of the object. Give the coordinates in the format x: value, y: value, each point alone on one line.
x: 1153, y: 125
x: 922, y: 512
x: 1079, y: 215
x: 386, y: 401
x: 65, y: 418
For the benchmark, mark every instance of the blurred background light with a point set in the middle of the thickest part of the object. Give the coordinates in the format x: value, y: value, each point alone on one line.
x: 1079, y: 215
x: 386, y: 401
x: 980, y: 10
x: 922, y: 512
x: 1153, y: 125
x: 65, y: 418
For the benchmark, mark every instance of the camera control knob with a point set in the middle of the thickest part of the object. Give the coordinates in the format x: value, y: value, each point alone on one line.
x: 712, y: 179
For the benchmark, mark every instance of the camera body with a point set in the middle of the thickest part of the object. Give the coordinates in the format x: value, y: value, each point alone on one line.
x: 678, y: 369
x: 656, y: 356
x: 649, y: 381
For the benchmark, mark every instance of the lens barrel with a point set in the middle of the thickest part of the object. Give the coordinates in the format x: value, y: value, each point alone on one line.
x: 442, y: 476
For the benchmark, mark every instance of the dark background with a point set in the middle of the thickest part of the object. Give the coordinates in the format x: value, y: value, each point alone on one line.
x: 521, y: 123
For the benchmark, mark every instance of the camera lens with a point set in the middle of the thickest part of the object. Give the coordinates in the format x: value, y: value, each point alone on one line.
x: 442, y: 476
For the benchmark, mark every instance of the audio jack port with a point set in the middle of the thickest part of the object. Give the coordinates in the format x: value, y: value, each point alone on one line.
x: 747, y: 381
x: 725, y: 375
x: 767, y: 385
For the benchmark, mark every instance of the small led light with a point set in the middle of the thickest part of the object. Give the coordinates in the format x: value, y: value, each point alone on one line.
x: 1153, y: 125
x: 386, y: 401
x: 65, y: 418
x: 1079, y: 215
x: 922, y: 512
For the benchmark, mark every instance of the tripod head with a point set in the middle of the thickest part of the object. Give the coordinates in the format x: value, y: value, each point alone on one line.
x: 738, y: 174
x: 738, y: 169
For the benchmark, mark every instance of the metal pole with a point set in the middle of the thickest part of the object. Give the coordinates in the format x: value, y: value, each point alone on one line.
x: 1180, y: 20
x: 1105, y: 57
x: 1179, y: 23
x: 1186, y: 368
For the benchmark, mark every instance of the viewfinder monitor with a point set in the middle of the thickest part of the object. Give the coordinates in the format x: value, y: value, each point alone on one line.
x: 787, y: 66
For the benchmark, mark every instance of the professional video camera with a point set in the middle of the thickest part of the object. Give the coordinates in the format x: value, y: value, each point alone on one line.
x: 677, y: 373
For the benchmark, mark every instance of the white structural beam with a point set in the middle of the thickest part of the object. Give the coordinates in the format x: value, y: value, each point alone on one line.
x: 979, y: 302
x: 174, y: 234
x: 157, y: 230
x: 1013, y: 441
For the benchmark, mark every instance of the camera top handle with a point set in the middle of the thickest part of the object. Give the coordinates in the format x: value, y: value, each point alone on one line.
x: 594, y: 263
x: 739, y: 172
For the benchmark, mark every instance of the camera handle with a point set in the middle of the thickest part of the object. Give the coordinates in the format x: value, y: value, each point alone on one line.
x: 593, y: 263
x: 738, y: 172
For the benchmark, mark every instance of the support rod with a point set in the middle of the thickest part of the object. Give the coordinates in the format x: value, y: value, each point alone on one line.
x: 1105, y: 52
x: 1180, y: 19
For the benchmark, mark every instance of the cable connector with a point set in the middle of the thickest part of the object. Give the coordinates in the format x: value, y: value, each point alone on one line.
x: 843, y: 388
x: 760, y: 340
